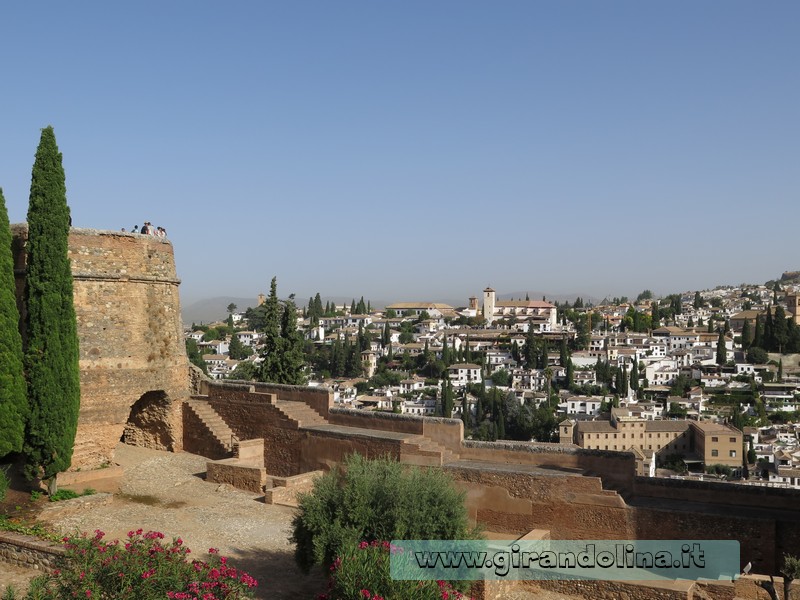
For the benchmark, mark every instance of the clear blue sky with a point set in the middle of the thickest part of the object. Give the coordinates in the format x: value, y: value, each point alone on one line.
x: 418, y: 149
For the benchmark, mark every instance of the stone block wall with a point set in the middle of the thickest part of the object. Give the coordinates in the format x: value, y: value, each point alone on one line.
x: 30, y: 552
x: 130, y: 337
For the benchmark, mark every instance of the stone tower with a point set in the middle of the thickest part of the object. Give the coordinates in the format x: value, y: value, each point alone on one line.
x: 488, y: 304
x: 793, y: 305
x: 134, y: 373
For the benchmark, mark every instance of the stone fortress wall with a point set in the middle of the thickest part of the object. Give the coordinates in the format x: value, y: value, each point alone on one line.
x: 511, y: 487
x: 133, y: 366
x: 135, y: 386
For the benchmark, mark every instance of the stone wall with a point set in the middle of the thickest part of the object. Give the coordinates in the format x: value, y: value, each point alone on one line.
x: 130, y: 337
x: 30, y: 552
x: 380, y: 421
x: 514, y: 487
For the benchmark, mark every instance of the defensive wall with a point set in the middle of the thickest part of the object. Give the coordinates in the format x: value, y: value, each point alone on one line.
x: 511, y: 487
x: 133, y: 366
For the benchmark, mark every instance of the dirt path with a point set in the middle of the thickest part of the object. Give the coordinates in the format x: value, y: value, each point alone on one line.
x: 165, y: 492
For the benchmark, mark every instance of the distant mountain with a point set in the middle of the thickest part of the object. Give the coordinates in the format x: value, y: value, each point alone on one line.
x: 790, y: 276
x: 213, y: 309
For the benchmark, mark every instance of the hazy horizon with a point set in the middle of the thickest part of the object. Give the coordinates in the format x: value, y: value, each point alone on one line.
x: 421, y: 150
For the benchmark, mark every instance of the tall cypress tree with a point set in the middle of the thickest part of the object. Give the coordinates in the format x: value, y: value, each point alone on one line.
x: 51, y: 357
x: 722, y: 352
x: 13, y: 389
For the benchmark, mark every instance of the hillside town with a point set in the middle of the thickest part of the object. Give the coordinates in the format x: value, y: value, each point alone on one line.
x: 699, y: 384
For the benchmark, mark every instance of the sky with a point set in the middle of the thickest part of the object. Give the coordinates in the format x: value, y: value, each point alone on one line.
x: 420, y: 150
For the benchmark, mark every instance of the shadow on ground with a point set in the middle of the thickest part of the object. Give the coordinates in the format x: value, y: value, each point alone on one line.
x: 279, y: 576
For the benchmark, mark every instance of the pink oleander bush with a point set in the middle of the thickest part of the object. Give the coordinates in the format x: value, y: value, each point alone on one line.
x: 143, y: 567
x: 362, y: 573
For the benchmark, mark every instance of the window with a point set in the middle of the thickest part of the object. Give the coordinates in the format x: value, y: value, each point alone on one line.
x: 733, y: 453
x: 715, y: 452
x: 732, y: 440
x: 714, y: 439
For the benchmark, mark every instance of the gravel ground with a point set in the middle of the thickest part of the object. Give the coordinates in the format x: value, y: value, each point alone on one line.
x: 166, y: 492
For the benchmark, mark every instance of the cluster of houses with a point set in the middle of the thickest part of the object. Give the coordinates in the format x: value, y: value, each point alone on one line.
x: 497, y: 330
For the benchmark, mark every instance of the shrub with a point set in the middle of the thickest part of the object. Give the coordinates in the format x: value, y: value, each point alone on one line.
x: 362, y: 573
x: 69, y: 494
x: 376, y: 500
x: 143, y: 568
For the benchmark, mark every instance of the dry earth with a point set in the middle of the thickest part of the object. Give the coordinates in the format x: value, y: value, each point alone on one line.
x: 167, y: 492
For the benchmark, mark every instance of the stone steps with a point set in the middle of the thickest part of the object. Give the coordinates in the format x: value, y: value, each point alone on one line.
x: 300, y: 413
x: 426, y: 452
x: 215, y: 424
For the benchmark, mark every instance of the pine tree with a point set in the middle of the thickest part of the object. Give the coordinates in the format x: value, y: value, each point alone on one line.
x: 51, y: 358
x: 353, y: 307
x: 13, y: 389
x: 282, y: 355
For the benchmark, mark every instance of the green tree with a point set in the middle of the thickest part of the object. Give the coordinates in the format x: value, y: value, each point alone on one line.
x: 698, y: 300
x: 655, y: 316
x: 780, y: 329
x: 237, y: 350
x: 194, y: 355
x: 368, y: 500
x: 292, y: 354
x: 282, y: 354
x: 722, y: 353
x: 501, y: 377
x: 231, y: 308
x: 466, y: 414
x: 246, y: 370
x: 747, y: 334
x: 635, y: 376
x: 13, y: 389
x: 757, y: 356
x: 51, y: 358
x: 448, y: 398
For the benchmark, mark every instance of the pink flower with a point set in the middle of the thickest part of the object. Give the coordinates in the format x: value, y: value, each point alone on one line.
x: 366, y: 593
x: 363, y: 545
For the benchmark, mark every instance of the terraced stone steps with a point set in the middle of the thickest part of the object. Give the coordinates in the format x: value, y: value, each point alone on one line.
x: 213, y: 422
x: 300, y: 413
